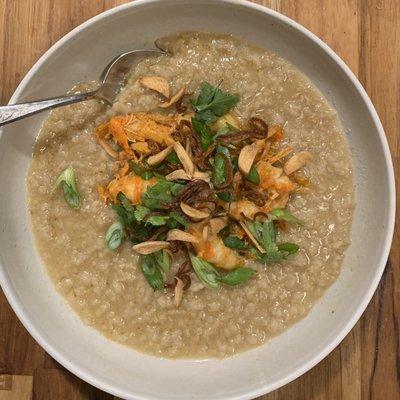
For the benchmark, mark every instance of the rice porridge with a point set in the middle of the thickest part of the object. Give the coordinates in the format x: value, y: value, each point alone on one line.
x: 109, y: 290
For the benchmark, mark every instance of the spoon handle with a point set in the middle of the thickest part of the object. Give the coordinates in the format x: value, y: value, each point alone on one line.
x: 15, y: 112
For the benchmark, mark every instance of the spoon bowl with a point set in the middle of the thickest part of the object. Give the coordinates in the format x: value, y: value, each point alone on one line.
x: 112, y: 80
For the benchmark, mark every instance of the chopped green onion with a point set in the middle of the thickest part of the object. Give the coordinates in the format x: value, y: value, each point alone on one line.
x: 211, y: 277
x: 253, y: 176
x: 67, y: 180
x: 237, y: 276
x: 205, y: 271
x: 151, y: 271
x: 115, y: 235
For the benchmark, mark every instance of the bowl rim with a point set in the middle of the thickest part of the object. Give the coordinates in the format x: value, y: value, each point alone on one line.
x: 58, y: 353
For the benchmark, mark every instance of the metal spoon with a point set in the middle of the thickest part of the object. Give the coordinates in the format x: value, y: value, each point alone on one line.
x: 111, y: 81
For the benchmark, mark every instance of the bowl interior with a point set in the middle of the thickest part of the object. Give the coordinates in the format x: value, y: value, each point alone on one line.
x: 81, y: 56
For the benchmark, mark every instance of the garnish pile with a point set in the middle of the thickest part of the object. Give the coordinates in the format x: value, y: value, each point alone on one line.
x: 197, y: 184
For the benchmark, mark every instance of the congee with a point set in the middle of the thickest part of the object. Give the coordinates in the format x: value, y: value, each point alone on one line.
x: 202, y: 213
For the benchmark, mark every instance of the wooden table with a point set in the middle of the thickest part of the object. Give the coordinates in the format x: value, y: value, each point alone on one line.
x: 366, y: 34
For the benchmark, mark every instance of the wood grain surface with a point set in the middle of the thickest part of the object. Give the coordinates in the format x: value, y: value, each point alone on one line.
x: 366, y: 34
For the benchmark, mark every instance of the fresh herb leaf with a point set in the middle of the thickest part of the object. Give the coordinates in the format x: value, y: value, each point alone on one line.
x: 253, y: 176
x: 179, y: 218
x: 125, y: 202
x: 147, y: 175
x: 221, y: 103
x: 141, y: 171
x: 67, y: 181
x: 205, y: 271
x: 173, y: 158
x: 121, y: 212
x: 176, y: 187
x: 125, y: 209
x: 141, y: 212
x: 283, y: 215
x: 222, y: 131
x: 204, y: 133
x: 139, y: 233
x: 160, y: 194
x: 207, y: 116
x: 234, y: 242
x: 290, y: 248
x: 265, y: 233
x: 219, y: 175
x: 269, y: 233
x: 237, y: 276
x: 157, y: 220
x: 271, y: 256
x: 225, y: 130
x: 207, y: 92
x: 226, y: 196
x: 213, y: 103
x: 115, y: 235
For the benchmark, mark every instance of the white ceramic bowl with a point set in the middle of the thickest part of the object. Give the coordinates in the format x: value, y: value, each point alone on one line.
x: 80, y: 56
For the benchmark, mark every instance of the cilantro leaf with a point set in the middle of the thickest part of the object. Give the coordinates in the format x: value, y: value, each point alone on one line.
x: 141, y: 212
x: 204, y: 133
x: 221, y: 103
x: 219, y: 175
x: 283, y: 215
x: 124, y: 210
x: 207, y: 116
x: 206, y: 94
x: 213, y: 103
x: 225, y: 130
x: 138, y: 233
x: 234, y: 242
x: 157, y: 220
x: 179, y: 218
x: 139, y: 170
x: 265, y: 234
x: 160, y: 194
x: 271, y: 257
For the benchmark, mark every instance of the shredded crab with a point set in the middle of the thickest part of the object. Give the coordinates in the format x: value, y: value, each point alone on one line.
x: 132, y: 131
